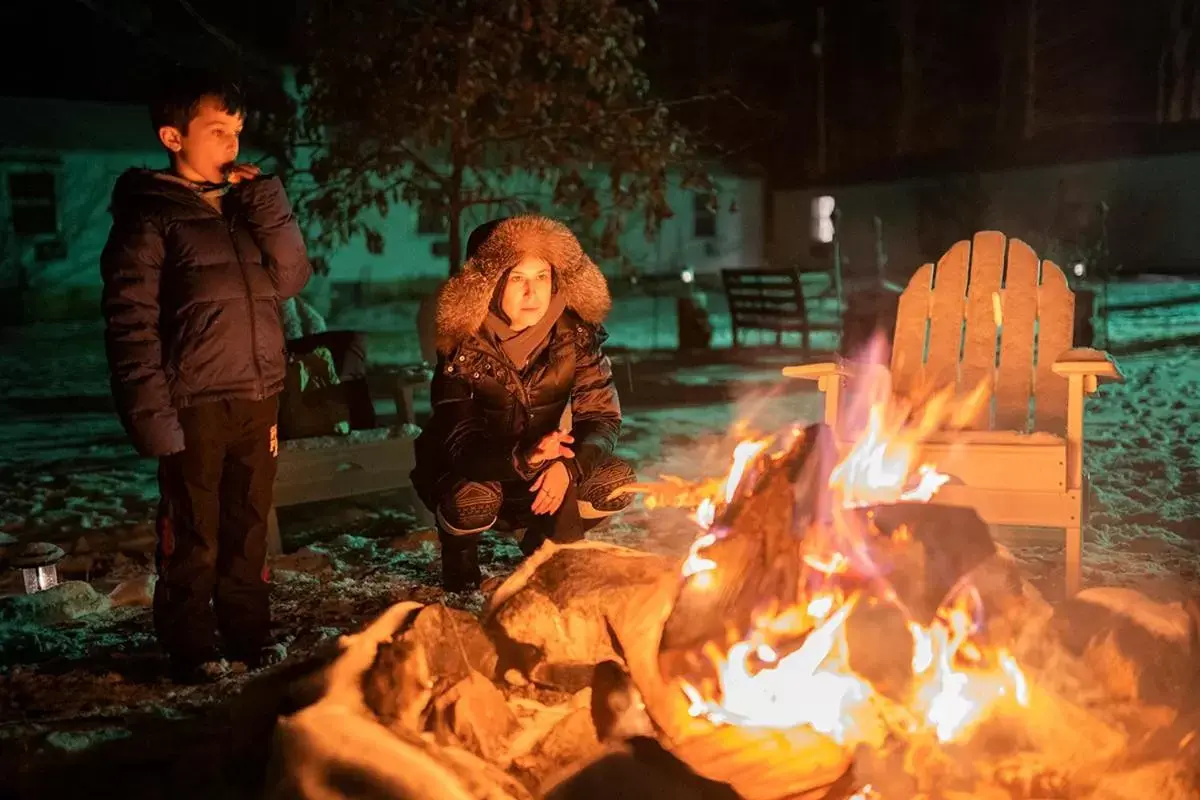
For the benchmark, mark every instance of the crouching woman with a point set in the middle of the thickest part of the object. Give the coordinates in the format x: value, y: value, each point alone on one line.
x: 519, y: 343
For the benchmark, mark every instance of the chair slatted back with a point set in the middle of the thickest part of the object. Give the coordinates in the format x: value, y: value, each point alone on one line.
x: 989, y: 310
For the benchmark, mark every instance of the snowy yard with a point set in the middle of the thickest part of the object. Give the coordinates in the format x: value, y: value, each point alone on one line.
x: 91, y: 687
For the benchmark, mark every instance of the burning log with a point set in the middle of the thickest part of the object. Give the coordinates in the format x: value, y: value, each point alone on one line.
x: 755, y: 542
x: 780, y: 539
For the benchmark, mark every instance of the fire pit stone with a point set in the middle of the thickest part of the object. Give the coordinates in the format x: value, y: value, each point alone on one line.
x: 552, y: 619
x: 1139, y: 649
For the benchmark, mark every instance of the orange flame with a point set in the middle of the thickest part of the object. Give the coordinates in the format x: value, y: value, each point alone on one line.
x: 742, y: 456
x: 956, y: 680
x: 815, y: 672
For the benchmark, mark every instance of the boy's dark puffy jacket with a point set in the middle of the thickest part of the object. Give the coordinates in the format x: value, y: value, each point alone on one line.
x: 191, y: 299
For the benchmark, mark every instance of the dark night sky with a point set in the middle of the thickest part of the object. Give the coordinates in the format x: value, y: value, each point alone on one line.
x: 1097, y: 60
x: 109, y: 49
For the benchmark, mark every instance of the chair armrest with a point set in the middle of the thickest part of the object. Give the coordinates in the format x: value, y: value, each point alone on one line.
x: 1088, y: 362
x: 816, y: 372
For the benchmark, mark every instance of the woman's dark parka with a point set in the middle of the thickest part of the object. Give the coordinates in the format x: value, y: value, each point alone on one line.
x: 487, y: 414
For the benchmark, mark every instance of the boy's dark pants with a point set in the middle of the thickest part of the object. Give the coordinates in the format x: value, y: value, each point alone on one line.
x: 212, y: 531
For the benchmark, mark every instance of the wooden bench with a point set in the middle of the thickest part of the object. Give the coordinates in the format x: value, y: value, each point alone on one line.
x: 363, y: 462
x: 768, y: 300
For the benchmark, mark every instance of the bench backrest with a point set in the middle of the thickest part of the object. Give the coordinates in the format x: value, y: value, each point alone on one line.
x: 772, y: 299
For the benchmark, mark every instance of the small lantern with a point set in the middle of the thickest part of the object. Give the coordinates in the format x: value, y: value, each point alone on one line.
x: 36, y: 561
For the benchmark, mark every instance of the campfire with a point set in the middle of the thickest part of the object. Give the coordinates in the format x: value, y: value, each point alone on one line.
x: 791, y: 665
x: 829, y: 633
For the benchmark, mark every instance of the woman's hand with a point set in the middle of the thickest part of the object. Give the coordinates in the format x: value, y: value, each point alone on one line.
x: 550, y: 486
x: 551, y: 446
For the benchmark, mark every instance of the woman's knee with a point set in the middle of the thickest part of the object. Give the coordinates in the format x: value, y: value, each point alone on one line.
x: 605, y: 477
x: 470, y: 506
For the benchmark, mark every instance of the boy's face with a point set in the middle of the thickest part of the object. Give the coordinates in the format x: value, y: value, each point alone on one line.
x: 527, y: 293
x: 208, y: 146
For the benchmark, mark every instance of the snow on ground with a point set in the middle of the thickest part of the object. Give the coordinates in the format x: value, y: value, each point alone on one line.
x: 67, y: 476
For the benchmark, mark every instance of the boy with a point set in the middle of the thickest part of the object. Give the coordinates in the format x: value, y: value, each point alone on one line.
x: 199, y: 257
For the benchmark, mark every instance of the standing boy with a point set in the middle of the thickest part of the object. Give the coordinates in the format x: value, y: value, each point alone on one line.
x: 199, y: 257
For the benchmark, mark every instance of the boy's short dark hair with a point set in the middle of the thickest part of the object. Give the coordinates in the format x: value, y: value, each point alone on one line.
x: 177, y: 99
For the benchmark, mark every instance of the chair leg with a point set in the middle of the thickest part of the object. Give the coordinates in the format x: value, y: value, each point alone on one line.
x: 1075, y: 538
x: 1074, y: 560
x: 274, y: 539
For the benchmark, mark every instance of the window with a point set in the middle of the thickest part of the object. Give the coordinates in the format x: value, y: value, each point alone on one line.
x: 33, y: 198
x: 431, y: 221
x: 704, y: 216
x: 823, y: 208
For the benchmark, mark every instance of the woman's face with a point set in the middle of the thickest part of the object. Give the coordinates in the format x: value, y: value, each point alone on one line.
x: 527, y: 292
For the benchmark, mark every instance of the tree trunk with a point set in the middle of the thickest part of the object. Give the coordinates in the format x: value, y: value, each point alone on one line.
x: 454, y: 209
x: 1004, y: 107
x: 454, y: 218
x: 1194, y: 109
x: 822, y: 128
x: 1164, y: 57
x: 910, y: 77
x: 1031, y: 68
x: 1181, y: 35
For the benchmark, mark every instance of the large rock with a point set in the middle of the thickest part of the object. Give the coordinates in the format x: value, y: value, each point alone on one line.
x: 435, y: 649
x: 137, y: 591
x: 638, y: 768
x: 62, y: 603
x: 1139, y: 649
x: 336, y: 748
x: 573, y: 740
x: 474, y: 714
x: 307, y: 560
x: 552, y: 619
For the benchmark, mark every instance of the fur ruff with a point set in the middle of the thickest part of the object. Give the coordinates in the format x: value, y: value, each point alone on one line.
x: 463, y: 301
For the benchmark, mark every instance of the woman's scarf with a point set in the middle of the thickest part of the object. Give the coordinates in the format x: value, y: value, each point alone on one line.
x: 521, y: 346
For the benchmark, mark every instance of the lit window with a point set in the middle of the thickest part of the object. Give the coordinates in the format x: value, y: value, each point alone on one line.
x: 822, y: 218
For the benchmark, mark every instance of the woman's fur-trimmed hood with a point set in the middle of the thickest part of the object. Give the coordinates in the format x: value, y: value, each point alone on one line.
x: 463, y: 302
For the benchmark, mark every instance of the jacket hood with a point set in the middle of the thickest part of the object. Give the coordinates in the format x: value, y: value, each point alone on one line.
x: 138, y: 184
x: 497, y: 247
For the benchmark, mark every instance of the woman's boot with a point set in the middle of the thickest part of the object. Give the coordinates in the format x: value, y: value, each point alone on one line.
x: 460, y: 561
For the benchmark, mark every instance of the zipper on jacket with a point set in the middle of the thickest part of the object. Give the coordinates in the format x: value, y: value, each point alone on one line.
x: 258, y: 377
x: 502, y: 363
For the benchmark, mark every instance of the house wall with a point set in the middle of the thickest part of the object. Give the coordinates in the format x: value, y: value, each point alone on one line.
x: 408, y: 255
x: 69, y: 286
x: 1151, y: 217
x: 64, y: 285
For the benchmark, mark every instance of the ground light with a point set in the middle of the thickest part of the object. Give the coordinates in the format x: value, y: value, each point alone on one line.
x: 37, y: 561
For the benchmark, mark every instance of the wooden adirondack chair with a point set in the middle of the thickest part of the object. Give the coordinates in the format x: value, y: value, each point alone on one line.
x: 1018, y: 466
